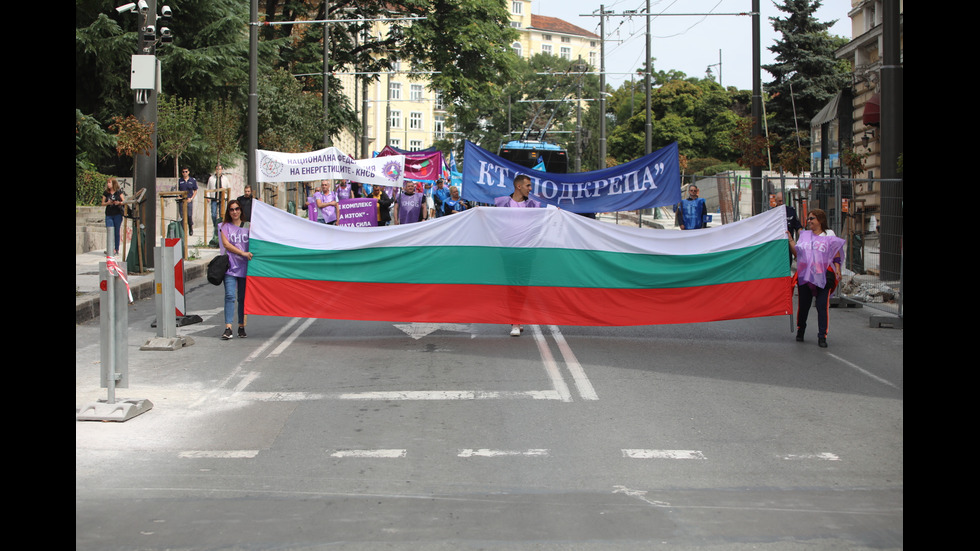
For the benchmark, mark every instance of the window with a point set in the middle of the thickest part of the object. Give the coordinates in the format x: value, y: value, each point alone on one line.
x: 546, y: 37
x: 517, y: 49
x: 566, y: 52
x: 396, y: 119
x: 395, y: 90
x: 592, y: 44
x: 547, y: 49
x: 515, y: 24
x: 416, y: 92
x: 439, y: 126
x: 415, y: 120
x: 566, y: 39
x: 440, y: 106
x: 592, y: 59
x: 415, y: 145
x: 517, y: 7
x: 396, y: 142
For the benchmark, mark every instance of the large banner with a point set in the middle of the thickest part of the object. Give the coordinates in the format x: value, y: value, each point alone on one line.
x: 423, y: 165
x: 329, y: 163
x: 650, y: 181
x: 532, y: 266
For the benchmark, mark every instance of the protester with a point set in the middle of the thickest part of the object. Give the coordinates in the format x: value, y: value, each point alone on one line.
x: 326, y: 203
x: 818, y: 265
x: 215, y: 183
x: 439, y: 196
x: 692, y: 213
x: 384, y: 205
x: 234, y: 243
x: 246, y: 203
x: 188, y: 184
x: 520, y: 198
x: 453, y: 204
x: 792, y: 221
x: 342, y: 189
x: 112, y: 200
x: 410, y: 207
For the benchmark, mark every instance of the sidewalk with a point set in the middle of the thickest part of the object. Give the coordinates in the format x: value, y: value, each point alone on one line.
x: 87, y: 280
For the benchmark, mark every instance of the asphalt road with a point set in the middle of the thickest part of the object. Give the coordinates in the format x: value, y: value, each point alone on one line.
x: 316, y: 434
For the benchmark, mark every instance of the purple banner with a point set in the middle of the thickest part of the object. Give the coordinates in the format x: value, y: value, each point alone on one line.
x: 358, y: 212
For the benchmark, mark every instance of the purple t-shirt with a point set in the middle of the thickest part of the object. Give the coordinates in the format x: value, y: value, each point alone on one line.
x: 508, y: 201
x: 237, y: 236
x: 329, y: 213
x: 410, y: 207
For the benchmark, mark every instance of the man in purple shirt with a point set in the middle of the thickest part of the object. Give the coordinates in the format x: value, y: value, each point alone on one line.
x: 410, y: 207
x: 521, y: 196
x: 519, y: 199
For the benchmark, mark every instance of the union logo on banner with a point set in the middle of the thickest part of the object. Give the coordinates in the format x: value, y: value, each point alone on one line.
x: 392, y: 171
x: 270, y: 167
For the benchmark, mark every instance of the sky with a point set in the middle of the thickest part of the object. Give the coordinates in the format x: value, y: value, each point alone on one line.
x: 686, y: 43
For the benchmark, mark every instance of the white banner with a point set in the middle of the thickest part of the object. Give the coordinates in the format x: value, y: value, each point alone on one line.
x: 329, y: 163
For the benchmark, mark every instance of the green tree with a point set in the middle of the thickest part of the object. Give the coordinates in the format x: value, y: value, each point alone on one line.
x: 695, y: 113
x: 176, y: 128
x: 220, y: 127
x: 289, y: 119
x: 805, y: 74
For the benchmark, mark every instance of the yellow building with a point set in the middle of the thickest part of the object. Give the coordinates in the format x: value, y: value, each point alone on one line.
x: 402, y: 111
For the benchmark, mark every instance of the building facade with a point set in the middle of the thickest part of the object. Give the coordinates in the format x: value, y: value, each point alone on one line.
x: 403, y: 111
x: 864, y: 51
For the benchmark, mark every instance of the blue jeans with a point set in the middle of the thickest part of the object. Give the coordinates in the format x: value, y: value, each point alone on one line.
x: 234, y: 285
x: 114, y: 221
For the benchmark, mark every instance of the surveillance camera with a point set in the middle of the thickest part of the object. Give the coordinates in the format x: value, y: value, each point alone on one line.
x: 166, y: 11
x: 144, y: 7
x: 126, y: 7
x: 165, y: 32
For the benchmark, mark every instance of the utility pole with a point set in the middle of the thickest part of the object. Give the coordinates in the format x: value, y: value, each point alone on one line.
x: 146, y: 86
x: 602, y: 87
x: 755, y: 173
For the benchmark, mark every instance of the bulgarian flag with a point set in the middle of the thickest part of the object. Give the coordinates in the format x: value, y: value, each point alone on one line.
x: 511, y: 265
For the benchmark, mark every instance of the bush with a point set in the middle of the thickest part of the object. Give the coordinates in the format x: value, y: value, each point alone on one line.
x: 89, y: 185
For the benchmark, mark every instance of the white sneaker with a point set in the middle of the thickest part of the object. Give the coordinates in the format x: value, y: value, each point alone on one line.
x: 515, y: 331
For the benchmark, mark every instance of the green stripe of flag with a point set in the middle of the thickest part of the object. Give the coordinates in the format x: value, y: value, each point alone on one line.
x: 520, y: 266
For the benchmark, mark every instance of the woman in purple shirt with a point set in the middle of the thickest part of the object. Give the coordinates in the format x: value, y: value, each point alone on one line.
x: 234, y: 243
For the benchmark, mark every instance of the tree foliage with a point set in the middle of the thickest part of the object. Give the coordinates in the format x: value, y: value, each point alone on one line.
x: 695, y: 113
x: 176, y: 127
x: 806, y: 74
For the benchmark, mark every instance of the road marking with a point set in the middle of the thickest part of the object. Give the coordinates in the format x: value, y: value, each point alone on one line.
x: 550, y: 366
x: 289, y: 340
x: 375, y: 454
x: 639, y: 494
x: 484, y: 452
x: 825, y: 456
x: 662, y: 454
x: 452, y: 395
x: 239, y: 368
x: 579, y: 377
x: 219, y: 454
x: 862, y: 370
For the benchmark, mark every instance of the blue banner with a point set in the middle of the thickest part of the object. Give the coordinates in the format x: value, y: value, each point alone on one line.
x: 650, y: 181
